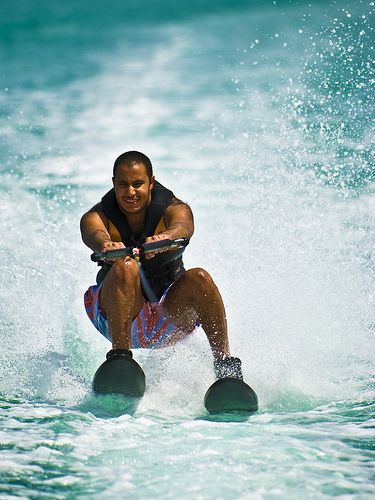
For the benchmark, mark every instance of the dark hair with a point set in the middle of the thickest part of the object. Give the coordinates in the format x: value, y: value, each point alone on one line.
x: 131, y: 158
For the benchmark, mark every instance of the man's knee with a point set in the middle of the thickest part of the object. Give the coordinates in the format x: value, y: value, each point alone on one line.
x: 124, y: 271
x: 200, y: 277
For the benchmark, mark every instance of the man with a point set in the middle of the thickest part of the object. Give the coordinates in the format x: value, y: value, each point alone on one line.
x: 139, y: 209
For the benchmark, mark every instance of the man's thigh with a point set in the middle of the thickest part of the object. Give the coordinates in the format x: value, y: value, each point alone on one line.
x: 179, y: 305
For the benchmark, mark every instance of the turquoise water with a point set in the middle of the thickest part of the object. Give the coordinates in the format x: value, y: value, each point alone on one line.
x: 261, y: 116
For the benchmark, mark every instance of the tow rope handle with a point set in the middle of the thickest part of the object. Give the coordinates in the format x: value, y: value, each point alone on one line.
x: 138, y: 250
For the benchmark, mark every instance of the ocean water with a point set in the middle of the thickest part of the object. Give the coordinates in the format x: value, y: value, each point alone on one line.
x: 261, y: 116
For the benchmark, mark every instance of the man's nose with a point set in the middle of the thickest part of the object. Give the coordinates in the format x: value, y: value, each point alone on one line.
x: 131, y: 191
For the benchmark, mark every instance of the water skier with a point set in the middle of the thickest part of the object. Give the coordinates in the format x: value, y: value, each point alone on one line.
x: 170, y: 302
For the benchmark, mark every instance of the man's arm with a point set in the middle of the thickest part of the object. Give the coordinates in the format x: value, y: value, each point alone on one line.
x: 95, y: 233
x: 179, y: 222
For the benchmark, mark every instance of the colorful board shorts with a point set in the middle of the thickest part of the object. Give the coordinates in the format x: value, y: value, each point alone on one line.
x: 151, y: 329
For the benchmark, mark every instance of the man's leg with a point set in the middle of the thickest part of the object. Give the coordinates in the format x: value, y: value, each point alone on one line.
x: 195, y: 297
x: 121, y: 300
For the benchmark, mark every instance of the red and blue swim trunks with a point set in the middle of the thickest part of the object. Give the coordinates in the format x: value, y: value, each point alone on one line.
x: 151, y: 329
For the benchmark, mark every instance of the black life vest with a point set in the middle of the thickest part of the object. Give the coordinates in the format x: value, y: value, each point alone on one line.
x: 164, y: 268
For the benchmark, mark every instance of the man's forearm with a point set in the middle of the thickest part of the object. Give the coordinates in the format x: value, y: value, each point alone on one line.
x: 178, y: 231
x: 179, y: 221
x: 94, y: 233
x: 96, y: 240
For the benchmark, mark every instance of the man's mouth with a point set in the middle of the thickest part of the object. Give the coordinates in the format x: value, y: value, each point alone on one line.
x: 133, y: 201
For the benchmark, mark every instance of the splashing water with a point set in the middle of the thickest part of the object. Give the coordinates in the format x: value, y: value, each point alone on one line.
x: 261, y: 118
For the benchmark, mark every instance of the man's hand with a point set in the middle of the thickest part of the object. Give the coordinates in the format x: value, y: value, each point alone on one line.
x: 111, y: 245
x: 157, y: 237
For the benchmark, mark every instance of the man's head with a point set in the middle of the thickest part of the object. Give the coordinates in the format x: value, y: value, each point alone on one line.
x: 133, y: 182
x: 131, y: 158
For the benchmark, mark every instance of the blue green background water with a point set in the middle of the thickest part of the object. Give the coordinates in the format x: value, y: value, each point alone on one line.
x: 261, y: 116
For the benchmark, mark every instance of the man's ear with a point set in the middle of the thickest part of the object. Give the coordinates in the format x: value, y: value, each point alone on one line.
x: 113, y: 181
x: 152, y: 182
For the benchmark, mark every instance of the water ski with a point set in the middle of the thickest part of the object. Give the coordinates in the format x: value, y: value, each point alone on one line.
x: 120, y: 375
x: 230, y: 395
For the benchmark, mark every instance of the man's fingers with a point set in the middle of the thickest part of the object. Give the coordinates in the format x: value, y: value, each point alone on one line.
x: 149, y: 255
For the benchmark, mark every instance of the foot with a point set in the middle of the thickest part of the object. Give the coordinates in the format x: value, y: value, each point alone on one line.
x: 119, y: 353
x: 229, y: 367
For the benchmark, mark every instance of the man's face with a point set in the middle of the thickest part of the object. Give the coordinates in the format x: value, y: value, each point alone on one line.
x: 132, y: 188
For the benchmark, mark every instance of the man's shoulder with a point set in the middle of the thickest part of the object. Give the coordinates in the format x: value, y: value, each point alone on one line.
x: 178, y: 208
x: 97, y: 208
x: 175, y: 201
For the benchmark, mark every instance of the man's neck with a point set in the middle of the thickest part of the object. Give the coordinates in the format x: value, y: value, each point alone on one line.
x: 136, y: 223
